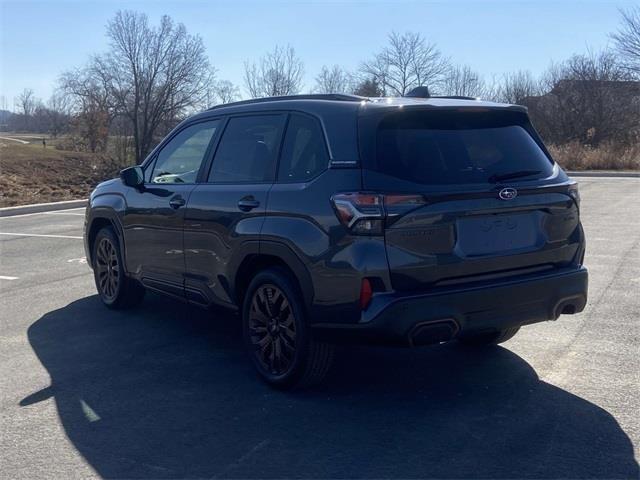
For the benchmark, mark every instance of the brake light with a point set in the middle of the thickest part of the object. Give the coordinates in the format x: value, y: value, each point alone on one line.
x: 367, y: 213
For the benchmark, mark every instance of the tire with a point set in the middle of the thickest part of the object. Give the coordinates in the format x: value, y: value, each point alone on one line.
x: 488, y: 338
x: 116, y: 290
x: 276, y: 335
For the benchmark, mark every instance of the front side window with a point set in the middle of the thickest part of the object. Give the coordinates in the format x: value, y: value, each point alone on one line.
x: 304, y: 153
x: 248, y: 150
x: 180, y: 159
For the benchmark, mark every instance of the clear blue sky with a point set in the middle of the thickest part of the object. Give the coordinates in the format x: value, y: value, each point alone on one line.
x: 41, y: 39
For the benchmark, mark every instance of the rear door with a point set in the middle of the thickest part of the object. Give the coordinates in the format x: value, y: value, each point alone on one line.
x: 493, y: 204
x: 228, y: 209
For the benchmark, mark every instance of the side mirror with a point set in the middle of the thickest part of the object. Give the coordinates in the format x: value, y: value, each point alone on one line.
x: 132, y: 176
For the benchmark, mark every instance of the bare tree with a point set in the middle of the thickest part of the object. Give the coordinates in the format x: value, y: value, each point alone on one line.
x: 226, y: 92
x: 279, y: 72
x: 92, y: 103
x: 627, y: 39
x: 153, y: 75
x: 516, y: 87
x: 462, y: 80
x: 590, y: 100
x: 58, y: 109
x: 407, y: 61
x: 334, y: 80
x: 26, y: 102
x: 368, y: 87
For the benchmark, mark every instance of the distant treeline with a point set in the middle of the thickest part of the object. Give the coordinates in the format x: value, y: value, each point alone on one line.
x: 154, y: 76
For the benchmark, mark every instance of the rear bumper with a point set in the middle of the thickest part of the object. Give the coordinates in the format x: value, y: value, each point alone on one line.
x: 444, y: 314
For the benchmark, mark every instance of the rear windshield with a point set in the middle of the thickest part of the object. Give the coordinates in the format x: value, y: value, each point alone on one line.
x: 422, y: 149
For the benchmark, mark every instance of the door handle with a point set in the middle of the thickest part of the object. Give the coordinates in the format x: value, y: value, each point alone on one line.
x: 177, y: 202
x: 247, y: 204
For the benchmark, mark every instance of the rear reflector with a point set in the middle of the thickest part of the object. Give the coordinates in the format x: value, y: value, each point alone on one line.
x: 366, y: 292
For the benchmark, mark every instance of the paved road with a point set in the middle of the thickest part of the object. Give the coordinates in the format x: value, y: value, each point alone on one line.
x: 14, y: 140
x: 165, y: 391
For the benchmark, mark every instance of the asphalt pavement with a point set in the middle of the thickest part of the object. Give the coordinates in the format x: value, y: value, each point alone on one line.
x: 164, y: 391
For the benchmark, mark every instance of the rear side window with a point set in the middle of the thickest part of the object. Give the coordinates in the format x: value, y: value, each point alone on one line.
x: 304, y: 153
x: 421, y: 150
x: 248, y: 150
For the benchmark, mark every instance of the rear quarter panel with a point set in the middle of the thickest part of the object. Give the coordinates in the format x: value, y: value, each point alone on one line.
x: 301, y: 217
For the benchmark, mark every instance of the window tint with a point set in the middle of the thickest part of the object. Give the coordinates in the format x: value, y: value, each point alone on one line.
x: 421, y: 151
x: 247, y: 150
x: 304, y: 153
x: 180, y: 159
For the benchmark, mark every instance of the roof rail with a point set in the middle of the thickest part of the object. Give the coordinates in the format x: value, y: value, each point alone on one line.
x: 456, y: 97
x: 314, y: 96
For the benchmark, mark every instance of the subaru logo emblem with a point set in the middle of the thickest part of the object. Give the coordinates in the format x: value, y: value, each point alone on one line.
x: 508, y: 193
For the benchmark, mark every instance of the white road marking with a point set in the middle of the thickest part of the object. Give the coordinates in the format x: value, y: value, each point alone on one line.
x: 39, y: 235
x: 63, y: 213
x: 4, y: 277
x: 77, y: 260
x: 8, y: 217
x: 59, y: 212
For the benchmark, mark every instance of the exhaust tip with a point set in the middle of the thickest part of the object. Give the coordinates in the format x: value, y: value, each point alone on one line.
x: 570, y: 306
x: 429, y: 333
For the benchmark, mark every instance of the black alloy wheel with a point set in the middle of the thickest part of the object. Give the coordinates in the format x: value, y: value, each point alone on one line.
x: 108, y: 269
x: 116, y: 289
x: 272, y: 330
x: 278, y: 339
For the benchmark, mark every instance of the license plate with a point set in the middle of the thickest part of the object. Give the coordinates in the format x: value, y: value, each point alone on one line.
x: 498, y: 233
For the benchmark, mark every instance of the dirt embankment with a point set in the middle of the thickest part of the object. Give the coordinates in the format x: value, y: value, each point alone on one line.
x: 30, y: 173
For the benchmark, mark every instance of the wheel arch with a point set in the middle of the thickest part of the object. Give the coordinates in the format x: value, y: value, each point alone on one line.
x: 103, y: 217
x: 272, y: 254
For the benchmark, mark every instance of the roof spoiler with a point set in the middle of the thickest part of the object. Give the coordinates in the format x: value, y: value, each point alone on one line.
x: 419, y: 92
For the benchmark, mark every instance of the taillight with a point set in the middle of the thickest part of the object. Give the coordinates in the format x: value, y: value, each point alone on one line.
x: 367, y: 213
x: 575, y: 193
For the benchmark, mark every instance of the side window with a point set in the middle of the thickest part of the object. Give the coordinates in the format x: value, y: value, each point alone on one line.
x: 180, y: 159
x: 149, y: 170
x: 304, y: 153
x: 247, y: 150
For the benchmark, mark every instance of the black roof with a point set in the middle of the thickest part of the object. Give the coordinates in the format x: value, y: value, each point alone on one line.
x: 355, y: 102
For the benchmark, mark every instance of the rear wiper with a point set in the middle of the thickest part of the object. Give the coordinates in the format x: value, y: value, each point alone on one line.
x: 508, y: 176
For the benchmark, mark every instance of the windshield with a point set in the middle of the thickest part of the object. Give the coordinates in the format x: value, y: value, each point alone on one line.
x: 412, y: 148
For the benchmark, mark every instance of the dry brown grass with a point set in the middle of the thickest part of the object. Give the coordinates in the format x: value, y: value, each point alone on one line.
x: 575, y: 156
x: 32, y: 174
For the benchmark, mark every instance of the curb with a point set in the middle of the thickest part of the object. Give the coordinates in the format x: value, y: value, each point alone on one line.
x: 41, y: 207
x: 607, y: 174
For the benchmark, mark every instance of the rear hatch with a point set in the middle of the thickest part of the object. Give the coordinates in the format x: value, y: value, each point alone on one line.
x: 491, y: 202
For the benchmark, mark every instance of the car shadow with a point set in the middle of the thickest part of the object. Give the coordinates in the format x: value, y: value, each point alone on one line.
x: 165, y: 391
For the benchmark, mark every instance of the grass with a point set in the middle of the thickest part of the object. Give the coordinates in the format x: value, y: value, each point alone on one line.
x: 575, y: 156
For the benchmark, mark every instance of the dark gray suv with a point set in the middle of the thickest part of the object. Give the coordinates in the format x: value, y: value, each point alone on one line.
x: 335, y: 218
